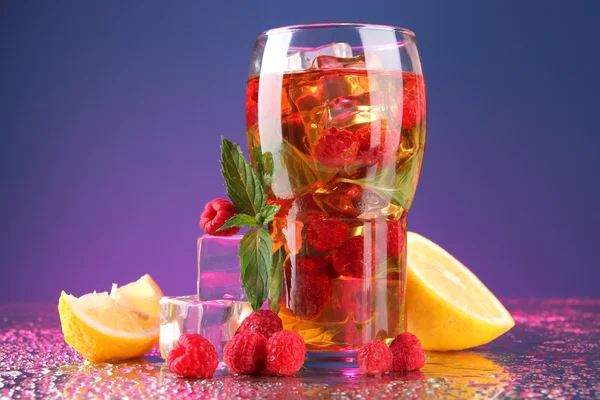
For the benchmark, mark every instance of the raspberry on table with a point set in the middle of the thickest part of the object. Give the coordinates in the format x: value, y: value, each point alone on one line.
x: 336, y: 147
x: 375, y: 358
x: 193, y: 357
x: 386, y: 149
x: 265, y: 322
x: 310, y: 293
x: 408, y: 353
x: 326, y: 235
x: 353, y: 259
x: 246, y: 353
x: 215, y: 214
x: 285, y: 353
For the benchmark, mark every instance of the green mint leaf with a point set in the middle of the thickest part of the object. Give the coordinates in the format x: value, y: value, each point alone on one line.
x: 276, y: 279
x: 266, y: 215
x: 402, y: 187
x: 264, y: 166
x: 243, y: 186
x: 398, y: 186
x: 256, y: 258
x: 303, y: 170
x: 240, y: 220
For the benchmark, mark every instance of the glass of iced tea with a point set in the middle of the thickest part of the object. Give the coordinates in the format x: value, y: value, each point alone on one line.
x: 336, y: 121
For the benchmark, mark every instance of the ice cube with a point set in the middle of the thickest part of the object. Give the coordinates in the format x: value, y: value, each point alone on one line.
x: 329, y: 61
x: 304, y: 59
x: 219, y: 268
x: 216, y: 320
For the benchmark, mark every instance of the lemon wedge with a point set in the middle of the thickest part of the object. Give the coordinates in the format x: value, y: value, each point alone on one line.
x: 448, y: 307
x: 119, y: 326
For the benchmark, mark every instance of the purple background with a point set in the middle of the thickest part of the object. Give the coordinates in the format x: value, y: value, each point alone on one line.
x: 111, y: 114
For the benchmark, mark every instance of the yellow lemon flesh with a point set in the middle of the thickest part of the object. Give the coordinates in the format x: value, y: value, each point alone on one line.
x: 119, y: 326
x: 448, y: 307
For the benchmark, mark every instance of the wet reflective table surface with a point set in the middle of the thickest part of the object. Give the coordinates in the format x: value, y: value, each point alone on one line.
x: 553, y: 352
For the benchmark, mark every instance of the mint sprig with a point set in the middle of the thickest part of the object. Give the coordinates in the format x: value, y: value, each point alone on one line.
x: 275, y: 287
x: 243, y: 186
x: 256, y: 252
x: 259, y: 266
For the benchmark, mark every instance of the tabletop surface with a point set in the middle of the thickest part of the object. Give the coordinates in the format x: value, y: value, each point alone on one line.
x: 552, y: 352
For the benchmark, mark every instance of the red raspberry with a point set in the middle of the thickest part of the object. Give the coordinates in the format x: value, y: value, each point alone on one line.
x: 252, y: 103
x: 413, y: 100
x: 353, y: 258
x: 311, y: 292
x: 251, y: 113
x: 408, y: 353
x: 246, y: 353
x: 309, y: 264
x: 375, y: 358
x: 193, y: 357
x: 326, y: 235
x: 336, y: 147
x: 395, y: 238
x: 285, y: 353
x: 342, y: 200
x: 215, y: 214
x: 386, y: 149
x: 252, y: 89
x: 265, y: 322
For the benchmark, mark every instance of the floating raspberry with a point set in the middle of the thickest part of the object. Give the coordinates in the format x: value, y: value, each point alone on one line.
x: 252, y: 103
x: 215, y: 214
x: 413, y: 100
x: 343, y: 200
x: 310, y: 292
x: 246, y: 353
x: 336, y: 147
x: 326, y: 235
x: 316, y: 264
x: 395, y: 238
x: 265, y: 322
x: 353, y: 258
x: 193, y: 357
x: 251, y: 113
x: 285, y: 353
x: 408, y: 353
x: 375, y: 358
x: 386, y: 147
x: 307, y: 265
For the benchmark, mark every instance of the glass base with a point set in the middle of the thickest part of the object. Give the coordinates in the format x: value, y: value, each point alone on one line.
x: 331, y: 360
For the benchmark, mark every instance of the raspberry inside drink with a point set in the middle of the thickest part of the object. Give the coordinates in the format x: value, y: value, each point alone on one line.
x: 339, y: 149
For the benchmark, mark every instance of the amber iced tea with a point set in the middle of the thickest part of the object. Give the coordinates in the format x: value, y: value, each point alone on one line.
x: 339, y: 149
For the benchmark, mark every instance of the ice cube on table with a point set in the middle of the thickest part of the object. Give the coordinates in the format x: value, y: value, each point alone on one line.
x: 219, y: 268
x: 216, y: 320
x: 304, y: 59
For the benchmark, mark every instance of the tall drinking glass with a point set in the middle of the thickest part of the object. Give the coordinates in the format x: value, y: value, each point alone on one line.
x: 336, y: 121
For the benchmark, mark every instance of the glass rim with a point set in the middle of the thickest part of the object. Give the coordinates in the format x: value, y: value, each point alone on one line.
x: 302, y: 27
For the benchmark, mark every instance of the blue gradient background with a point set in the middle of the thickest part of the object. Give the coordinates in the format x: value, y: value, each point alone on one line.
x: 111, y: 113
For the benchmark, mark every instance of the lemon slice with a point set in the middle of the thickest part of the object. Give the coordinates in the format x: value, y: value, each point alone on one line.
x: 119, y: 326
x: 448, y: 307
x: 143, y: 294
